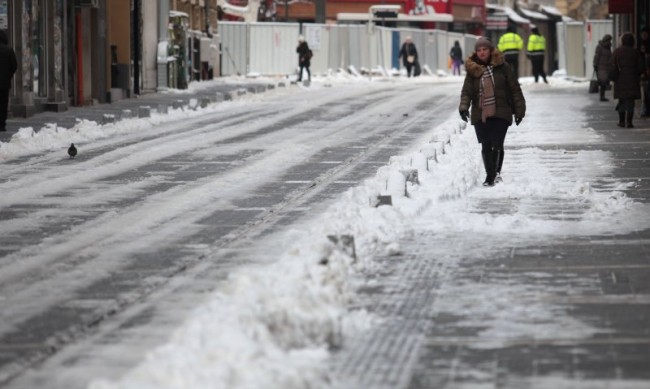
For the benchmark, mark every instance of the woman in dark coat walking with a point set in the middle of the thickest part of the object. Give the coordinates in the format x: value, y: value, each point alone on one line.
x: 602, y: 63
x: 628, y: 86
x: 494, y: 95
x: 409, y: 55
x: 304, y: 57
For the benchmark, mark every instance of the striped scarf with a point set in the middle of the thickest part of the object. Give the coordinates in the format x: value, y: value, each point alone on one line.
x: 487, y: 100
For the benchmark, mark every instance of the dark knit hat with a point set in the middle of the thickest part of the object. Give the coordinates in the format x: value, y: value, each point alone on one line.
x: 483, y: 42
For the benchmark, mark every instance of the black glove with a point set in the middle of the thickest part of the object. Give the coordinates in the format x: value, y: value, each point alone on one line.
x: 464, y: 115
x: 518, y: 120
x: 596, y: 69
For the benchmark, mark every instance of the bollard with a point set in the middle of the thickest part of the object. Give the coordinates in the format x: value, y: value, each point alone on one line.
x: 204, y: 102
x: 108, y: 118
x: 177, y: 104
x: 411, y: 176
x: 270, y: 86
x: 144, y: 111
x: 193, y: 104
x: 218, y: 97
x: 241, y: 92
x: 163, y: 109
x: 420, y: 162
x: 126, y: 114
x: 346, y: 244
x: 382, y: 200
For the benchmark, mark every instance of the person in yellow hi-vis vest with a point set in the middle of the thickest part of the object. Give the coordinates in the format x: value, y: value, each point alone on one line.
x: 536, y: 51
x: 510, y: 44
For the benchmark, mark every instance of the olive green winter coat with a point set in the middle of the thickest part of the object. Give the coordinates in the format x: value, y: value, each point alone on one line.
x: 509, y: 98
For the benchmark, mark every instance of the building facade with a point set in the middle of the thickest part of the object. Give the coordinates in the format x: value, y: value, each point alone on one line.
x: 82, y: 52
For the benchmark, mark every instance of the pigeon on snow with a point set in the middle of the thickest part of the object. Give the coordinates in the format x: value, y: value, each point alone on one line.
x: 72, y: 151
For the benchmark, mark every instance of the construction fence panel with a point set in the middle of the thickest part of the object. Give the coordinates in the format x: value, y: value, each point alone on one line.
x: 270, y: 48
x: 234, y: 48
x: 273, y: 48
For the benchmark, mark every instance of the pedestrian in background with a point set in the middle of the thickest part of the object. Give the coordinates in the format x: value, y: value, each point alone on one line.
x: 8, y: 66
x: 628, y: 86
x: 536, y: 51
x: 602, y: 62
x: 409, y: 55
x: 494, y: 96
x: 456, y: 55
x: 510, y: 44
x: 304, y: 57
x: 644, y: 48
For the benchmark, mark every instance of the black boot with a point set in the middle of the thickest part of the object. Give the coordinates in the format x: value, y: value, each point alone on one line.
x: 621, y: 119
x: 629, y: 116
x: 489, y: 162
x: 602, y: 93
x: 499, y: 163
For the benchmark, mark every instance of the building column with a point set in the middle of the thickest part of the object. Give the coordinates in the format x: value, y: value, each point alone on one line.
x: 163, y: 45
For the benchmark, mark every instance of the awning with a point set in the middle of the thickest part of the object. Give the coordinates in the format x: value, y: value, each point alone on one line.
x: 533, y: 15
x: 364, y: 17
x: 512, y: 15
x: 551, y: 10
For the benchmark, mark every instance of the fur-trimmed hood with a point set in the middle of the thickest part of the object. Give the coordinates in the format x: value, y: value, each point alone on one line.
x: 475, y: 68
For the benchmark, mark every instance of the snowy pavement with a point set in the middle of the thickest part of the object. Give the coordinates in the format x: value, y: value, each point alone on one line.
x: 452, y: 286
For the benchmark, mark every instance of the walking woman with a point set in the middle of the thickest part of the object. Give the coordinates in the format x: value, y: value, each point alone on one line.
x: 493, y: 93
x: 409, y: 55
x: 304, y: 57
x: 602, y: 62
x: 628, y: 86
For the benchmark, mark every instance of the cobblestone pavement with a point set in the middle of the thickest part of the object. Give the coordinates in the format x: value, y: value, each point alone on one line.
x: 486, y: 311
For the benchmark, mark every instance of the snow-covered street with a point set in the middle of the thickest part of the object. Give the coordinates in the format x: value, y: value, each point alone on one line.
x: 191, y: 249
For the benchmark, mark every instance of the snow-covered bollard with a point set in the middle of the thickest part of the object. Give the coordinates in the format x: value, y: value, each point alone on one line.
x: 420, y: 162
x: 411, y: 175
x: 144, y: 111
x: 126, y: 114
x: 381, y: 200
x: 218, y: 97
x: 193, y: 104
x: 282, y: 84
x: 251, y: 89
x: 396, y: 184
x: 241, y: 91
x: 108, y: 118
x: 270, y: 86
x: 177, y: 104
x: 204, y: 102
x: 430, y: 151
x: 345, y: 243
x: 163, y: 109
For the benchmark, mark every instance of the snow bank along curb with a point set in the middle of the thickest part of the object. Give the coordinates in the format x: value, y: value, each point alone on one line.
x: 51, y: 136
x: 272, y: 326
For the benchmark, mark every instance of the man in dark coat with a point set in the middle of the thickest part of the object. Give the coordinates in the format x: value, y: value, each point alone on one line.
x: 8, y: 66
x: 628, y: 86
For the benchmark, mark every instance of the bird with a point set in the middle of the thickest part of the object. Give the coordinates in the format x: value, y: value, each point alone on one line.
x: 72, y: 151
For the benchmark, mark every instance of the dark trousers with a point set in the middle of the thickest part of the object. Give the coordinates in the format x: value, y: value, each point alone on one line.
x: 4, y: 105
x: 538, y: 67
x: 409, y: 69
x: 512, y: 58
x: 308, y: 72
